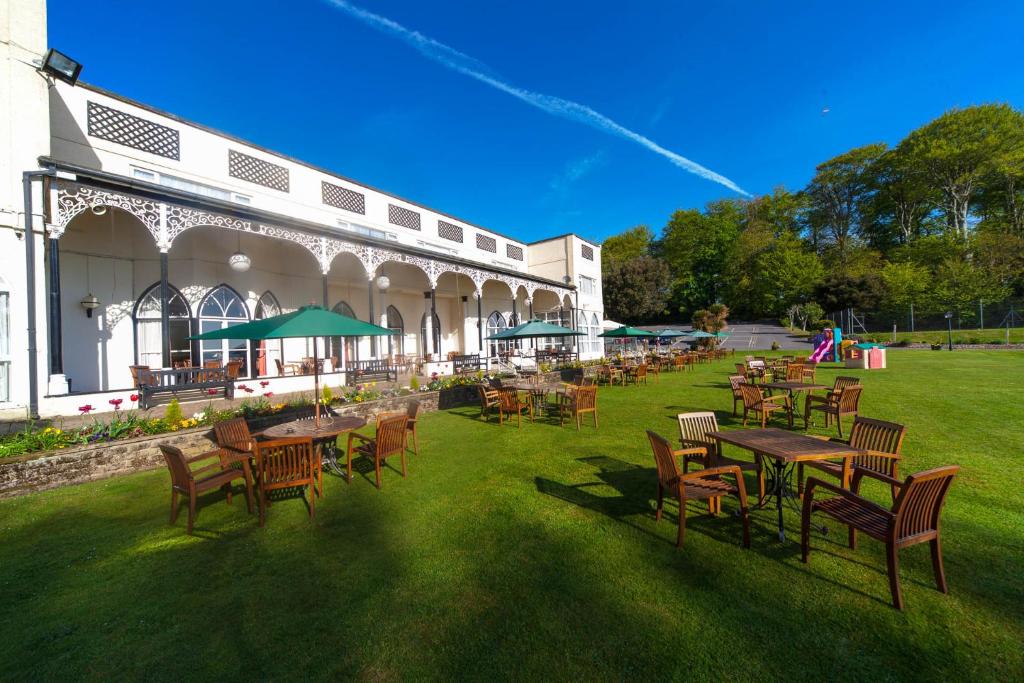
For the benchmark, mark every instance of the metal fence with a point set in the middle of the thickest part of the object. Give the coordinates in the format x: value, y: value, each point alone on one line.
x: 1006, y: 314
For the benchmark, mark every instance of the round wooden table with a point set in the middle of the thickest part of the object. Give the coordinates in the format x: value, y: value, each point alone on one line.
x: 331, y: 427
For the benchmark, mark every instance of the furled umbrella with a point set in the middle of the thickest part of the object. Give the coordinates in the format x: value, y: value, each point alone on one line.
x: 306, y: 322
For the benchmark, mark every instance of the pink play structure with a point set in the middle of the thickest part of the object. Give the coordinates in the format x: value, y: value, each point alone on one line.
x: 823, y: 350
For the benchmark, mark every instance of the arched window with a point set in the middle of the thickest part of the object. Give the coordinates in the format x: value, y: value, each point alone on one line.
x: 496, y: 324
x: 351, y: 347
x: 396, y: 342
x: 583, y: 325
x: 436, y: 335
x: 267, y: 351
x: 595, y: 329
x: 222, y: 308
x: 148, y: 344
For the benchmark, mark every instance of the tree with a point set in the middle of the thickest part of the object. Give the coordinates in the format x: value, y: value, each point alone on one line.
x: 906, y: 284
x: 840, y: 291
x: 627, y: 245
x: 635, y: 290
x: 767, y: 273
x: 903, y: 199
x: 957, y: 150
x: 840, y: 192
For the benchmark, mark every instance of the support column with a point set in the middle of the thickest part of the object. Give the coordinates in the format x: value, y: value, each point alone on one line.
x: 533, y: 340
x: 428, y: 324
x: 373, y: 340
x: 165, y: 314
x: 325, y: 293
x: 464, y: 336
x: 56, y: 341
x: 433, y: 316
x: 480, y: 320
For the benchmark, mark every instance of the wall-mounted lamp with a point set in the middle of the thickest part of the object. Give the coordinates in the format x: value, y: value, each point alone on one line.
x: 383, y: 282
x: 61, y: 67
x: 89, y: 303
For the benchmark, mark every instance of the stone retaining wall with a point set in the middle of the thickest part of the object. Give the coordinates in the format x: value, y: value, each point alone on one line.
x: 52, y: 469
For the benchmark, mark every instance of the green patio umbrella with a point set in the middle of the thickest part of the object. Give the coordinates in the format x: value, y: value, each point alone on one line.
x: 700, y: 334
x: 535, y: 328
x: 667, y: 334
x: 308, y: 321
x: 626, y: 331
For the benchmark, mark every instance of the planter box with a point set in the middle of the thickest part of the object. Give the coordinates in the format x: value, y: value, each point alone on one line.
x: 52, y: 469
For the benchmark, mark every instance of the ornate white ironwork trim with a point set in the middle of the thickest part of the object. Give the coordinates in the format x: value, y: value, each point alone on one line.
x: 166, y: 221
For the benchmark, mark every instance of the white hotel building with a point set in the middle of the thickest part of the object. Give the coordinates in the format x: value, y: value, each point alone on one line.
x: 143, y: 211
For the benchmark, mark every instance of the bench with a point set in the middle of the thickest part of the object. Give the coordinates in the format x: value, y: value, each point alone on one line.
x: 190, y: 384
x: 467, y: 363
x: 369, y: 371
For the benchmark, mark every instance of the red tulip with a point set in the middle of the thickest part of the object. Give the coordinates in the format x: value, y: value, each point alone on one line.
x: 268, y: 394
x: 243, y: 387
x: 249, y: 390
x: 134, y: 398
x: 116, y: 402
x: 85, y: 409
x: 264, y: 383
x: 211, y: 392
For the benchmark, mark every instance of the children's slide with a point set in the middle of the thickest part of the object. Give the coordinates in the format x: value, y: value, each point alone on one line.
x: 822, y: 351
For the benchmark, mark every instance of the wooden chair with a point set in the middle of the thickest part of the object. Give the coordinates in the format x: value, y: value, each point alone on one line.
x: 233, y: 369
x: 836, y: 405
x: 285, y: 464
x: 737, y: 396
x: 509, y: 403
x: 236, y: 441
x: 882, y: 441
x: 286, y: 368
x: 700, y: 449
x: 185, y: 480
x: 756, y: 402
x: 488, y: 399
x: 578, y: 402
x: 637, y: 374
x: 795, y: 372
x: 389, y: 441
x: 140, y: 375
x: 707, y: 484
x: 913, y: 518
x: 412, y: 411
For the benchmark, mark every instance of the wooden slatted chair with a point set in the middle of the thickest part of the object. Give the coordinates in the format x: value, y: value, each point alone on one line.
x: 882, y: 442
x: 706, y: 484
x: 237, y: 442
x: 914, y: 517
x: 638, y: 374
x: 285, y: 464
x: 794, y: 372
x: 188, y: 482
x: 737, y: 396
x: 233, y: 368
x: 389, y: 441
x: 838, y: 404
x: 412, y: 412
x: 754, y: 401
x: 510, y: 403
x: 577, y: 403
x: 699, y: 448
x: 488, y: 399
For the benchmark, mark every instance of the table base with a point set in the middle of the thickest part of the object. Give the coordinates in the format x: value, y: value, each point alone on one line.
x: 779, y: 485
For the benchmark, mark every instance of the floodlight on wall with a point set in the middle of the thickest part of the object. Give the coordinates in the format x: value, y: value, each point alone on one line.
x: 89, y: 302
x: 61, y: 67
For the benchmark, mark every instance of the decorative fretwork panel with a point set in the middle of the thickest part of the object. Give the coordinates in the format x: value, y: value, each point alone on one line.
x: 398, y: 215
x: 514, y: 252
x: 343, y: 198
x: 449, y: 231
x: 131, y: 131
x: 587, y: 251
x: 486, y: 243
x: 258, y: 171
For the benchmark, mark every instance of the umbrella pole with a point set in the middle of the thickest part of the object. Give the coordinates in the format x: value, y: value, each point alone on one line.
x: 316, y: 388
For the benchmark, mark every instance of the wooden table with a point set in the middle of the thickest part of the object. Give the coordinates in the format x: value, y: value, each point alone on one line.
x: 331, y: 427
x: 793, y: 387
x: 785, y: 449
x: 537, y: 391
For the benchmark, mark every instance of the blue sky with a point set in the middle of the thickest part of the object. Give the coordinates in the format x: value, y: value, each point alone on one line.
x: 737, y: 87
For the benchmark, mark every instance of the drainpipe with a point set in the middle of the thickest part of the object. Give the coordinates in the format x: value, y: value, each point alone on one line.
x: 30, y: 291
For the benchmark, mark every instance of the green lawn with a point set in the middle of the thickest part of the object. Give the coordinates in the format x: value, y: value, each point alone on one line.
x: 534, y: 554
x: 964, y: 336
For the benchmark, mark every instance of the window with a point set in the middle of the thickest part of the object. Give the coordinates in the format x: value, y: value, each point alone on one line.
x: 189, y: 186
x: 350, y: 350
x: 485, y: 243
x: 554, y: 317
x: 591, y: 327
x: 514, y: 252
x: 396, y: 342
x: 148, y: 342
x: 5, y: 347
x: 587, y: 252
x: 367, y: 231
x: 268, y: 352
x: 595, y: 329
x: 223, y: 308
x: 398, y: 215
x: 495, y: 324
x: 436, y: 335
x: 588, y: 285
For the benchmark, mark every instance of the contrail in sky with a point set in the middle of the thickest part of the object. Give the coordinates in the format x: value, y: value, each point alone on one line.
x: 468, y: 66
